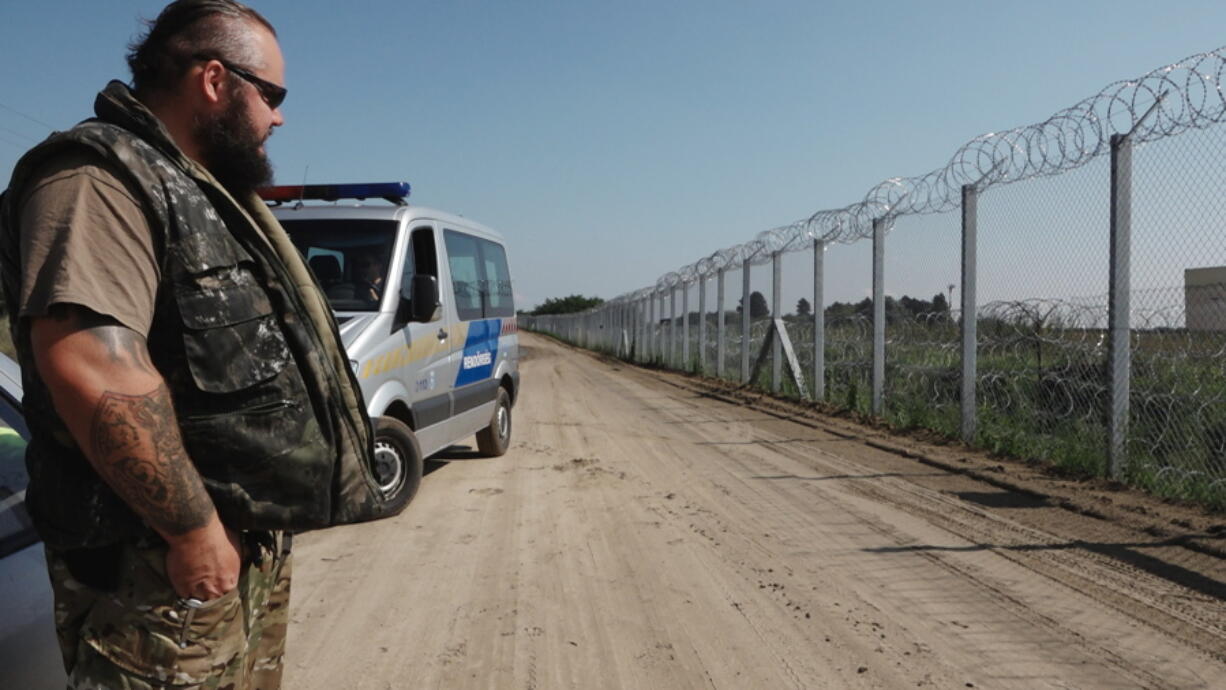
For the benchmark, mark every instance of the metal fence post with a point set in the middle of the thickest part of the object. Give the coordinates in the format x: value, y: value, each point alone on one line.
x: 672, y: 326
x: 652, y: 298
x: 702, y: 324
x: 970, y: 317
x: 777, y: 312
x: 661, y: 327
x: 719, y: 323
x: 1119, y: 325
x: 632, y: 326
x: 819, y: 321
x: 645, y: 328
x: 661, y: 331
x: 614, y: 328
x: 878, y: 315
x: 745, y: 321
x: 685, y: 326
x: 622, y: 337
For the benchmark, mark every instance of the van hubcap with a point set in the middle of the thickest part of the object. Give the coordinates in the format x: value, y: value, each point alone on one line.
x: 388, y: 467
x: 504, y: 421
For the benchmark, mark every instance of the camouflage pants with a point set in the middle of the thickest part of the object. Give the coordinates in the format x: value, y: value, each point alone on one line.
x: 141, y: 636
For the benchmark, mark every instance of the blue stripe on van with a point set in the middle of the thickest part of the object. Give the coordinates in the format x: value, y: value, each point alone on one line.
x: 480, y: 352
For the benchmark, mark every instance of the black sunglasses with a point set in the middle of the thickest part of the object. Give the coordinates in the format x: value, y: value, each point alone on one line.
x: 272, y: 94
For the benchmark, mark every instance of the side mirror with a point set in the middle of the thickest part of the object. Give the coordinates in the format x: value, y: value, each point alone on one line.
x: 424, y: 302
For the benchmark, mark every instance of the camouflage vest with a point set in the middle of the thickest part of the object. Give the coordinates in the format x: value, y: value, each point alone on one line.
x: 266, y: 402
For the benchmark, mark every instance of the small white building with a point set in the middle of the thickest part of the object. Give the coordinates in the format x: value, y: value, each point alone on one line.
x: 1204, y: 298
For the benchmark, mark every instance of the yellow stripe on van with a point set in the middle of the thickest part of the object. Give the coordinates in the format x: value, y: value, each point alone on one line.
x: 406, y: 355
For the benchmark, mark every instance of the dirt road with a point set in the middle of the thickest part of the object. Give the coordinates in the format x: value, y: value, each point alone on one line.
x: 650, y: 531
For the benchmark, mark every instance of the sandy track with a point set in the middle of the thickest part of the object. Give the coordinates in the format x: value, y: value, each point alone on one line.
x: 646, y: 531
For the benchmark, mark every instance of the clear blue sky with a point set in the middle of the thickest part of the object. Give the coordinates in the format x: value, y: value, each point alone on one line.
x: 612, y: 142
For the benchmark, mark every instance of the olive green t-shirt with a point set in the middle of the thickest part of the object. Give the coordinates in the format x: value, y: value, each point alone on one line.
x: 86, y: 241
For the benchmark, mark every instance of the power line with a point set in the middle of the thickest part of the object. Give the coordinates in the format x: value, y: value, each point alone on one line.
x: 20, y: 147
x: 31, y: 118
x: 14, y: 132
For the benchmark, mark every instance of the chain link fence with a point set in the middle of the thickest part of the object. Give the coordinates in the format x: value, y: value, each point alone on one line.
x: 1089, y: 248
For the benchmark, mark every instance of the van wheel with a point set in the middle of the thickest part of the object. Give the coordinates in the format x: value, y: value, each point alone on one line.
x: 493, y: 440
x: 397, y: 463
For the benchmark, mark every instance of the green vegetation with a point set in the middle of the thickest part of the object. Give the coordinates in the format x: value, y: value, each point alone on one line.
x: 1041, y: 395
x: 1041, y: 388
x: 566, y: 305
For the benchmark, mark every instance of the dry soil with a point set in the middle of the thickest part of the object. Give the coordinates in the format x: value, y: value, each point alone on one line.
x: 650, y: 530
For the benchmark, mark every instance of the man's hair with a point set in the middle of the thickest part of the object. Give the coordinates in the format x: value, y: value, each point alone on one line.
x: 186, y: 29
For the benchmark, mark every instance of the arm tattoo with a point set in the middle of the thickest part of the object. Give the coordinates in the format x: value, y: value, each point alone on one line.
x: 136, y: 441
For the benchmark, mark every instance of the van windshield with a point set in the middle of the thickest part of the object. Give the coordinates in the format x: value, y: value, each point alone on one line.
x: 350, y: 258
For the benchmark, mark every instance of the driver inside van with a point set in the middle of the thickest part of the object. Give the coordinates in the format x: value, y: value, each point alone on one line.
x: 368, y: 271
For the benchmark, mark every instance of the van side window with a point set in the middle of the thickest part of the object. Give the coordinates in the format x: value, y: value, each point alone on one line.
x: 499, y: 298
x: 464, y: 261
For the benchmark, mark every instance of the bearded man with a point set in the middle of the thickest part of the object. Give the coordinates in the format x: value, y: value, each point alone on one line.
x: 189, y: 401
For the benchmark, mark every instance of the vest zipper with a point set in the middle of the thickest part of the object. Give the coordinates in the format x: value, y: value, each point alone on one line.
x: 260, y: 409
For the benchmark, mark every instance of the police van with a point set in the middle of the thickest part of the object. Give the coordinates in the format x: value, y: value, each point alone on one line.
x: 424, y: 305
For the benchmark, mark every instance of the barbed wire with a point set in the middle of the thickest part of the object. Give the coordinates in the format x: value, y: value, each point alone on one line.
x: 1182, y: 96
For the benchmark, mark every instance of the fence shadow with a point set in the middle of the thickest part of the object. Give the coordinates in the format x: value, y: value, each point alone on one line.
x: 1124, y: 552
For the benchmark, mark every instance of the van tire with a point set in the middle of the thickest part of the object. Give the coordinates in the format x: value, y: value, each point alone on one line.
x: 397, y: 463
x: 493, y: 440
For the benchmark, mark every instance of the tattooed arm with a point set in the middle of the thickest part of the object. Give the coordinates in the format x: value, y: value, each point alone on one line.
x: 117, y: 407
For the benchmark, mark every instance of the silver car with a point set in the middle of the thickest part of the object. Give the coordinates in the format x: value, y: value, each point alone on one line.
x: 29, y: 655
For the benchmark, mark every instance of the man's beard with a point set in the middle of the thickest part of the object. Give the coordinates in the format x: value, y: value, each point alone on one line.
x: 230, y: 146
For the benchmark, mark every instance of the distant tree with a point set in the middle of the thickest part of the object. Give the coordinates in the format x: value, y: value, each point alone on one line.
x: 940, y: 304
x: 913, y: 307
x: 567, y: 305
x: 758, y: 308
x: 803, y: 308
x: 846, y: 310
x: 901, y: 309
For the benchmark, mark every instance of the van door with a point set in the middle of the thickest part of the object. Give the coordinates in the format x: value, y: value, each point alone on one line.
x: 475, y: 352
x: 427, y: 375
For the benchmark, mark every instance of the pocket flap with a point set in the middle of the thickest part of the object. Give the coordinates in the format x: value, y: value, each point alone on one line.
x: 223, y: 305
x: 201, y: 253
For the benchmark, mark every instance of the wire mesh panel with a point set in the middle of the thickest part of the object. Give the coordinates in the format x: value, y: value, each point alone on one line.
x: 1042, y: 387
x: 922, y: 338
x: 732, y: 324
x: 849, y: 326
x: 1177, y: 423
x: 796, y: 312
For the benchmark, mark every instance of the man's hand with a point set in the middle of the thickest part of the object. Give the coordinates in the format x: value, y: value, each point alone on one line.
x: 204, y: 563
x: 117, y: 407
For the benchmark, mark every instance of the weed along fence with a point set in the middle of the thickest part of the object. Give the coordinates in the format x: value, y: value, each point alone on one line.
x: 1088, y: 257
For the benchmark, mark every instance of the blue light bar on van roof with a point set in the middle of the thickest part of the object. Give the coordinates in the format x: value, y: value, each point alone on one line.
x: 395, y: 192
